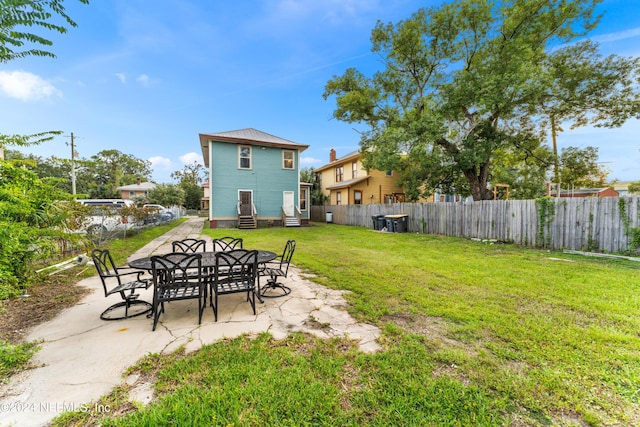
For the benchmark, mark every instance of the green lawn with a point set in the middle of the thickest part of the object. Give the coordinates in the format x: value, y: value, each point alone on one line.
x: 473, y: 334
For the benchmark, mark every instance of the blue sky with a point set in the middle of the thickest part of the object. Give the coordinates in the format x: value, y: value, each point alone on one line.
x: 145, y: 77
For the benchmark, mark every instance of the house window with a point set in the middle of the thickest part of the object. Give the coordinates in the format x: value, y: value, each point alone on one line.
x: 339, y: 173
x: 287, y: 159
x: 304, y: 195
x: 338, y: 198
x: 354, y: 170
x: 388, y: 173
x: 244, y: 157
x: 357, y: 197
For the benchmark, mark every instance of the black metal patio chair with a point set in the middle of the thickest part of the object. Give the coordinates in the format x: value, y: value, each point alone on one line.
x: 189, y: 245
x: 178, y: 276
x: 227, y: 243
x: 236, y: 271
x: 124, y: 282
x: 278, y: 268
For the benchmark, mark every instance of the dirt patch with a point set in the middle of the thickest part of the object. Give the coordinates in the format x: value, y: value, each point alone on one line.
x: 435, y: 329
x: 44, y: 301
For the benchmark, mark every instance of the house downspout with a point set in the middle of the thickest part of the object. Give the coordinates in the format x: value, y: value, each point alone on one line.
x: 296, y: 203
x: 210, y: 182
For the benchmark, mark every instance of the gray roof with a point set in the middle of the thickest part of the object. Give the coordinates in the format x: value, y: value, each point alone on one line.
x: 345, y: 184
x: 251, y: 134
x: 143, y: 186
x: 247, y: 136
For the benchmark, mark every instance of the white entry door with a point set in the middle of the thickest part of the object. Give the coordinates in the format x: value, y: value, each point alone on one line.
x: 287, y: 203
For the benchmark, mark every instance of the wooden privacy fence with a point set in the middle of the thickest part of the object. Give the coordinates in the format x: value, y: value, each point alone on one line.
x: 587, y: 224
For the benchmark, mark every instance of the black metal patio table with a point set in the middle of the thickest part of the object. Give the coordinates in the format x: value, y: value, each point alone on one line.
x: 208, y: 261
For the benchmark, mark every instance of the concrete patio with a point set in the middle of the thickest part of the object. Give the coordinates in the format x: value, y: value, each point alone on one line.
x: 83, y: 357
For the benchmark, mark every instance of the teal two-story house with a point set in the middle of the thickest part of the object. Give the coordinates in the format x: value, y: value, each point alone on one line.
x: 254, y: 180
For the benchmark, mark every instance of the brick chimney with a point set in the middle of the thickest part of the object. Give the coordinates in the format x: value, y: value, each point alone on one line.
x: 332, y: 155
x: 139, y: 181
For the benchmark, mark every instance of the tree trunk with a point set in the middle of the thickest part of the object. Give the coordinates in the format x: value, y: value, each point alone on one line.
x: 477, y: 177
x: 478, y: 182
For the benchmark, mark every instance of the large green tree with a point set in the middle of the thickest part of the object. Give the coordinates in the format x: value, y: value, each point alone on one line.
x: 167, y: 195
x: 579, y: 168
x: 56, y: 170
x: 96, y: 177
x: 110, y: 169
x: 524, y: 171
x: 586, y: 88
x: 471, y: 79
x: 190, y: 180
x: 318, y: 198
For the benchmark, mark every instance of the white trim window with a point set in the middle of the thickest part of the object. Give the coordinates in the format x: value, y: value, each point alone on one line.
x: 304, y: 196
x: 244, y: 156
x: 288, y: 157
x: 357, y: 197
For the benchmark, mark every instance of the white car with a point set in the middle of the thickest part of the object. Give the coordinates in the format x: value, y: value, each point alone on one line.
x: 105, y: 217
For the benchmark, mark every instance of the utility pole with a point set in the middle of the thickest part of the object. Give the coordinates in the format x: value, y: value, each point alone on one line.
x: 73, y: 167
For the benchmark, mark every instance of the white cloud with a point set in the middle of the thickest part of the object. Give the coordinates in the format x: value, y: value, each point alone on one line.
x: 620, y: 35
x: 26, y: 86
x: 309, y: 161
x: 189, y: 158
x: 122, y: 77
x: 143, y: 79
x: 161, y: 162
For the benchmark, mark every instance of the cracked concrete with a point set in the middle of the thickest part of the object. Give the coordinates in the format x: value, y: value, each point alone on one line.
x: 83, y: 357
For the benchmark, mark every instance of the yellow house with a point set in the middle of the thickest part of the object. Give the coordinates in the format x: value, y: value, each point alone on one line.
x: 346, y: 182
x: 204, y: 200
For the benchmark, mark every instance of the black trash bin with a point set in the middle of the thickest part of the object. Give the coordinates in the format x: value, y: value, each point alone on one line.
x: 398, y: 223
x: 378, y: 222
x: 389, y: 223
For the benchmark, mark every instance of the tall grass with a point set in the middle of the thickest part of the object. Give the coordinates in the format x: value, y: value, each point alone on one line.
x: 473, y: 334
